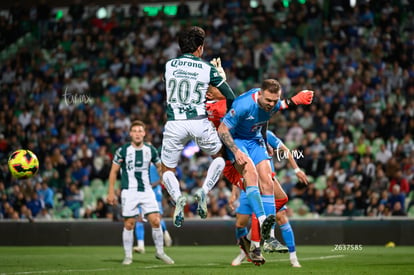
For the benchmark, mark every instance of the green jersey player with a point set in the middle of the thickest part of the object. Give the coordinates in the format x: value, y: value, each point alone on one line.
x: 133, y: 161
x: 187, y: 80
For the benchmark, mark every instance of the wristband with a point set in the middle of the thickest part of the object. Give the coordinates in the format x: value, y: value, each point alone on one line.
x: 297, y: 169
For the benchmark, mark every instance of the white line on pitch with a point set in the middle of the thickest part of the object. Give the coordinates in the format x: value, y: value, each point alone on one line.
x: 158, y: 266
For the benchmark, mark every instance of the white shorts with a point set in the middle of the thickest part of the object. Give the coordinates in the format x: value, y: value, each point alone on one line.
x: 133, y: 201
x: 178, y: 133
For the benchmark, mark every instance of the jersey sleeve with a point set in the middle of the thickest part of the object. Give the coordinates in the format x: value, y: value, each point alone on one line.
x: 233, y: 116
x: 217, y: 81
x: 154, y: 155
x: 273, y: 140
x: 118, y: 156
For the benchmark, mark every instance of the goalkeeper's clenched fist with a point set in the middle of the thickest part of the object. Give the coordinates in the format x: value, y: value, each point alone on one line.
x: 303, y: 97
x: 213, y: 93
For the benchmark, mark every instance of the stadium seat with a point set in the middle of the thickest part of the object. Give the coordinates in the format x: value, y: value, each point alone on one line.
x: 134, y: 83
x: 88, y: 197
x: 410, y: 212
x: 122, y: 81
x: 320, y: 182
x: 64, y: 213
x: 295, y: 204
x: 96, y: 183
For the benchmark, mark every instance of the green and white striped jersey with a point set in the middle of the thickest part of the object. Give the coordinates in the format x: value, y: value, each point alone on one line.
x: 187, y: 78
x: 135, y: 165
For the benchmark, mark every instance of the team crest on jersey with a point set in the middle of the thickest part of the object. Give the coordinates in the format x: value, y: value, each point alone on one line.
x: 232, y: 112
x: 130, y: 165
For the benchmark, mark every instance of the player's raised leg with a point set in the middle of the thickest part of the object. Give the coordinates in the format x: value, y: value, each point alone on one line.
x: 210, y: 143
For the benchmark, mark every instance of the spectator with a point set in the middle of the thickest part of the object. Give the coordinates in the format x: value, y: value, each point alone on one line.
x: 183, y: 10
x: 397, y: 210
x: 383, y: 155
x: 400, y: 181
x: 74, y: 200
x: 34, y: 204
x: 45, y: 194
x: 101, y: 210
x: 396, y: 196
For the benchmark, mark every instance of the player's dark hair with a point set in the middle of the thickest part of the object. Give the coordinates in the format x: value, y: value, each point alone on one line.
x: 190, y: 39
x: 272, y: 85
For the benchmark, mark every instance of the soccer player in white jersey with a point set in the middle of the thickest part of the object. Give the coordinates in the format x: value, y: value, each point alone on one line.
x: 133, y: 161
x: 187, y: 79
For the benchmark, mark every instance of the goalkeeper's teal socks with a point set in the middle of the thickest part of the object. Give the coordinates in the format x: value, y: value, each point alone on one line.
x: 241, y: 232
x: 255, y: 201
x: 288, y: 236
x: 269, y: 204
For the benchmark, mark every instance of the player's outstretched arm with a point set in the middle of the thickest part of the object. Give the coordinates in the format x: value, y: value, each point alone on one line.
x: 304, y: 97
x: 223, y: 86
x: 299, y: 173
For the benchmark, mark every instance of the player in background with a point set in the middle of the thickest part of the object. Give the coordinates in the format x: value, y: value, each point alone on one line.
x: 133, y: 160
x: 271, y: 245
x: 187, y: 79
x: 155, y: 181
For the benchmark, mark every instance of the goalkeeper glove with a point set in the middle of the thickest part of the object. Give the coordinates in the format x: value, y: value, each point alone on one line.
x: 216, y: 62
x: 302, y: 98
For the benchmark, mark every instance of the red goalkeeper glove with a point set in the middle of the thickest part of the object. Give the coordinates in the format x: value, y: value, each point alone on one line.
x: 303, y: 97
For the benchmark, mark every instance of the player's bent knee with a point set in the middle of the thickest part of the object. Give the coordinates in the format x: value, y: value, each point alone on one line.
x: 154, y: 219
x: 129, y: 223
x: 281, y: 217
x: 242, y: 220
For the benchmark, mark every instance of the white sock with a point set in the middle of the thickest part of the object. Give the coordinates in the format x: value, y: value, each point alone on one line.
x: 261, y: 220
x: 171, y: 184
x: 158, y: 238
x: 254, y: 244
x: 272, y: 232
x: 128, y: 242
x: 213, y: 174
x: 140, y: 243
x: 292, y: 255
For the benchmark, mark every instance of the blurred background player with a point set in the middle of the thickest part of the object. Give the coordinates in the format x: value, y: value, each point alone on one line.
x: 187, y: 79
x: 272, y: 244
x: 133, y: 161
x: 155, y: 181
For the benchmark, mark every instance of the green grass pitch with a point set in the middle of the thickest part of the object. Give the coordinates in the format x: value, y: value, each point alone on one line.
x: 203, y: 260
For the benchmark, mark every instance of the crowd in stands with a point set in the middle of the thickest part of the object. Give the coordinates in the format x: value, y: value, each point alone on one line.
x: 71, y: 93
